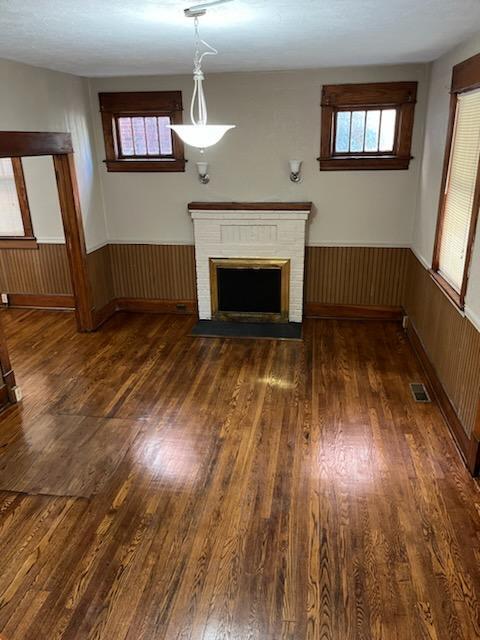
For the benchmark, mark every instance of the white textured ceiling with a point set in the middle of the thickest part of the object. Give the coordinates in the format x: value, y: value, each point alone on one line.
x: 130, y: 37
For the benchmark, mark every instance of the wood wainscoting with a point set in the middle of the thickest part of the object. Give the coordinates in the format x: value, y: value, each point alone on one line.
x: 142, y: 278
x: 355, y: 282
x: 345, y: 282
x: 100, y: 274
x: 341, y: 282
x: 43, y: 271
x: 159, y: 272
x: 38, y: 278
x: 448, y: 345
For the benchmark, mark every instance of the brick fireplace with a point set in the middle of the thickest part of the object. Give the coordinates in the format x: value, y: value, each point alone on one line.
x: 269, y: 232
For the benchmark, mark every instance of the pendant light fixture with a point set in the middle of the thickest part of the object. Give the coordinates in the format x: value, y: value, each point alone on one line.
x: 200, y: 134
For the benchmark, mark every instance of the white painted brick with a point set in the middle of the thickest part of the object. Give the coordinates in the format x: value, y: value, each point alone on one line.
x: 251, y: 236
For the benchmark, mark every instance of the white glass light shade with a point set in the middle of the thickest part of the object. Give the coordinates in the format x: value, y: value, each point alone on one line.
x: 202, y: 168
x: 295, y: 165
x: 201, y: 135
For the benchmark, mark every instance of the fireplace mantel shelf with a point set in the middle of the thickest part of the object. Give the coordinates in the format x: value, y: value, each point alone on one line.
x: 250, y: 206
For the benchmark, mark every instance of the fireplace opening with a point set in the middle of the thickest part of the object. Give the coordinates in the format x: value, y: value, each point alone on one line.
x: 249, y: 289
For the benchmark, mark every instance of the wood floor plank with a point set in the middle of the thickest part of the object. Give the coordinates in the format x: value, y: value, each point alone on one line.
x: 156, y: 485
x: 62, y: 455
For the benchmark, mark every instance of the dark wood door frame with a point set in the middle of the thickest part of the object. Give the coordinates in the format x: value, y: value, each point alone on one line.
x: 6, y: 372
x: 15, y: 144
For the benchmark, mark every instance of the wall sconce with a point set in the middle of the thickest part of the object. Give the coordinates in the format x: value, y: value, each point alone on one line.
x: 295, y: 168
x: 202, y: 168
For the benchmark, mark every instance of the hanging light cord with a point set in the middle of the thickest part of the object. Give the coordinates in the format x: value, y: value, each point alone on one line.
x: 198, y: 78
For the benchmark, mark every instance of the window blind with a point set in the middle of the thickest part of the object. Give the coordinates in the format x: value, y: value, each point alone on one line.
x: 460, y: 189
x: 11, y: 223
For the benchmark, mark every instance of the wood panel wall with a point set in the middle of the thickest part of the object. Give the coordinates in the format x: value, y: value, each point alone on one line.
x: 40, y: 271
x: 355, y: 275
x: 100, y: 275
x: 450, y: 340
x: 334, y: 275
x: 164, y: 272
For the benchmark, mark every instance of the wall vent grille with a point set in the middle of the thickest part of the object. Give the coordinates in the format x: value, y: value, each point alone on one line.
x: 419, y: 392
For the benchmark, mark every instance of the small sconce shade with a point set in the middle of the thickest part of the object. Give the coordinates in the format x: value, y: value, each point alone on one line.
x: 202, y: 168
x: 295, y: 168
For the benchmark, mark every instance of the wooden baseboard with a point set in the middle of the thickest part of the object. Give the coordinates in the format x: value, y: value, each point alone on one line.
x: 190, y: 307
x: 353, y: 312
x: 469, y: 446
x: 4, y: 397
x: 41, y: 301
x: 147, y: 305
x: 102, y: 315
x: 144, y: 305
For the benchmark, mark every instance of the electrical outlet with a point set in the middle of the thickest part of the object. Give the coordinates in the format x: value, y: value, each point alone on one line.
x: 17, y: 393
x: 405, y: 322
x: 4, y: 298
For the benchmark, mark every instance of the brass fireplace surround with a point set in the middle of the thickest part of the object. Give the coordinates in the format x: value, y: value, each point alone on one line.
x: 251, y: 263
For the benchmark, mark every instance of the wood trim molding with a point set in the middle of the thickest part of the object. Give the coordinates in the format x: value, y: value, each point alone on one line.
x: 144, y: 305
x: 140, y: 103
x: 59, y: 146
x: 465, y: 77
x: 27, y: 240
x: 22, y: 197
x: 278, y: 264
x: 34, y: 143
x: 4, y: 400
x: 6, y: 370
x: 475, y: 453
x: 190, y: 307
x: 134, y: 102
x: 250, y: 206
x: 104, y: 313
x: 18, y: 243
x: 57, y: 301
x: 468, y: 447
x: 372, y: 94
x: 443, y: 184
x: 145, y: 166
x: 399, y: 95
x: 74, y: 239
x: 353, y: 312
x: 360, y: 163
x: 447, y: 288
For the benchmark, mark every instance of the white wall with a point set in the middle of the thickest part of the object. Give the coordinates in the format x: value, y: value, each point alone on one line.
x: 35, y: 99
x: 432, y: 166
x: 278, y: 117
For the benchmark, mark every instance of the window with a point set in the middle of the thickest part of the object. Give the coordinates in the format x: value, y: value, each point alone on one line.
x: 15, y: 222
x: 365, y: 132
x: 460, y: 192
x: 145, y: 137
x: 135, y: 128
x: 367, y: 126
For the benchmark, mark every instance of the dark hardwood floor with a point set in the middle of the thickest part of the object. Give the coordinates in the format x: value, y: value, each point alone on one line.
x: 159, y: 486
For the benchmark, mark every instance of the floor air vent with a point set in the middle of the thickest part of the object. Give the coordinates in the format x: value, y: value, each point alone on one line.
x: 419, y: 392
